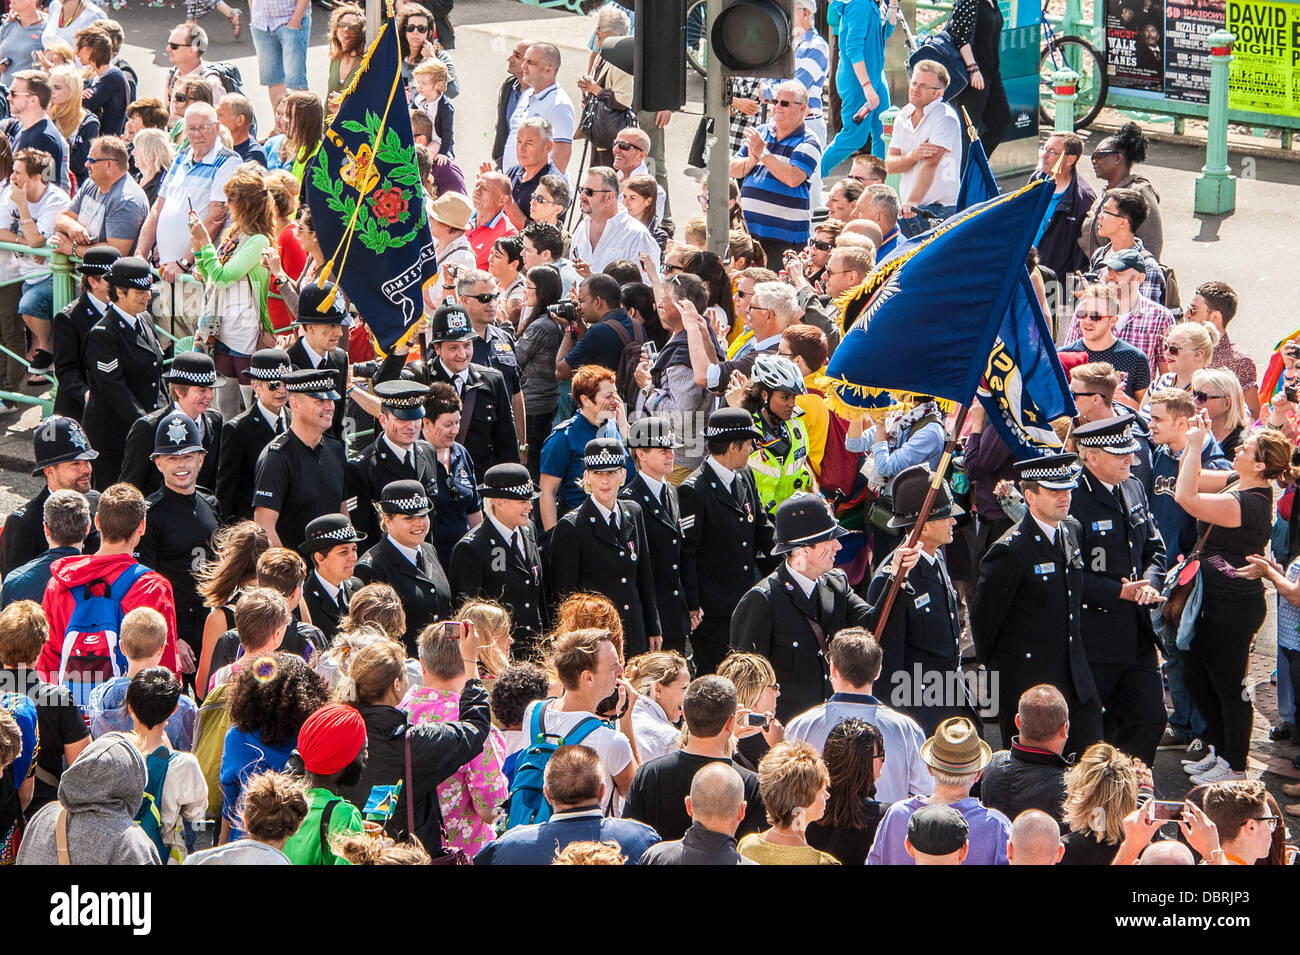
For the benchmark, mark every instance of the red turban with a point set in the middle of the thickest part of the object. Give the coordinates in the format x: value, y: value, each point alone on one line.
x: 331, y: 739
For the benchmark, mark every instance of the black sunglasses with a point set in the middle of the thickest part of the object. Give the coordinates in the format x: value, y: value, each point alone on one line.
x: 1204, y: 396
x: 620, y: 144
x: 412, y: 28
x: 274, y: 385
x: 589, y: 192
x: 177, y: 46
x: 821, y: 245
x: 484, y: 298
x: 1085, y: 394
x: 787, y: 103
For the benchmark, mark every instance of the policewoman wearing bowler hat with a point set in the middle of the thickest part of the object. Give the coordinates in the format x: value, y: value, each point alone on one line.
x: 124, y: 366
x: 323, y: 318
x: 180, y: 520
x: 652, y: 443
x: 500, y: 560
x: 1123, y: 573
x: 792, y: 614
x: 1026, y: 615
x: 398, y: 454
x: 330, y: 549
x: 63, y: 453
x: 601, y: 547
x: 244, y: 436
x: 73, y: 324
x: 405, y: 560
x: 191, y: 379
x: 921, y: 643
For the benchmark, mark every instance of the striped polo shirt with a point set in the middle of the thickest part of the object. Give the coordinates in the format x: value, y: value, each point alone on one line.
x: 191, y: 184
x: 812, y: 57
x: 773, y: 210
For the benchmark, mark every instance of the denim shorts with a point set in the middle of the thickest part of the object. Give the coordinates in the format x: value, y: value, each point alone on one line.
x: 282, y: 55
x: 38, y: 298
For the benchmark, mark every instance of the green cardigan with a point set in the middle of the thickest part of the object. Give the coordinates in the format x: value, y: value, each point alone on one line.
x: 245, y: 263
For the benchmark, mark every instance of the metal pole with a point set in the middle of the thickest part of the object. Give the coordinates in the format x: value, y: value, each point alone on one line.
x: 717, y: 148
x: 1065, y: 91
x: 1216, y: 186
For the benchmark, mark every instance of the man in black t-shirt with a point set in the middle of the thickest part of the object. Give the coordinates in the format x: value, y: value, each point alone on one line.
x: 659, y: 788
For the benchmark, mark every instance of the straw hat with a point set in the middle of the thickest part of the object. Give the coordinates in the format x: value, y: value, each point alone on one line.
x: 452, y: 209
x: 956, y: 748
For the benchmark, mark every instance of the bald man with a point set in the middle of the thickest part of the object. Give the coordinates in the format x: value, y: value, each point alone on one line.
x: 716, y: 804
x: 1035, y: 839
x: 865, y: 227
x: 1167, y: 853
x: 489, y: 221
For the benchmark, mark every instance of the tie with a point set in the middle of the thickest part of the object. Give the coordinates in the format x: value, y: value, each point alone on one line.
x: 613, y: 522
x: 519, y: 544
x: 410, y: 458
x: 460, y: 385
x: 738, y: 489
x: 279, y: 425
x: 421, y: 565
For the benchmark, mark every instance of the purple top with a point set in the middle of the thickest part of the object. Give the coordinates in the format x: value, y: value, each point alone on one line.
x: 989, y: 831
x: 987, y: 461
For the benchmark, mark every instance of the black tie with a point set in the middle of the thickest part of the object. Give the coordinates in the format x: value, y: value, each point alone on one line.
x: 279, y: 425
x: 738, y: 489
x: 421, y: 565
x: 410, y: 459
x: 613, y: 522
x: 519, y: 544
x: 460, y: 385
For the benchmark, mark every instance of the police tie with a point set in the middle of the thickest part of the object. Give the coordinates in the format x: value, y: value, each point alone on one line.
x: 738, y: 489
x: 460, y: 385
x: 518, y: 541
x: 279, y: 425
x: 410, y: 458
x: 421, y: 565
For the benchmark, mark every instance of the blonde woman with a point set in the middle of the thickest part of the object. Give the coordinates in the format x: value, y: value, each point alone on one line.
x: 1100, y: 790
x: 494, y: 641
x: 794, y: 785
x: 661, y: 678
x: 756, y: 691
x: 1218, y: 393
x: 1188, y: 346
x: 153, y: 154
x: 77, y: 124
x: 235, y: 322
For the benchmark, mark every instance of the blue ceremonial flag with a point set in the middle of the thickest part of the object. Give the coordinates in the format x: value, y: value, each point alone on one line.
x: 367, y: 205
x: 924, y: 321
x: 977, y: 182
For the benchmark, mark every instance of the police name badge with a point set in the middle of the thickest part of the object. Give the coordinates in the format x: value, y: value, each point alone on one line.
x: 1102, y: 526
x: 1049, y: 568
x: 921, y: 601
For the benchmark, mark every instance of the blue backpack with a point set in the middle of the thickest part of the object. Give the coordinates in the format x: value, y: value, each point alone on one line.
x: 90, y: 652
x: 527, y: 803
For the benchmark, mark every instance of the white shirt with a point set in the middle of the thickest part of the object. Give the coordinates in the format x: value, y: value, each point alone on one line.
x: 329, y: 588
x: 623, y: 238
x: 506, y: 533
x: 940, y: 127
x: 611, y: 746
x: 1048, y: 530
x: 605, y: 512
x: 188, y: 183
x: 725, y: 475
x: 458, y: 379
x: 552, y: 104
x: 805, y: 584
x: 43, y: 212
x: 656, y: 487
x: 312, y: 355
x: 96, y: 304
x: 410, y: 553
x: 271, y: 417
x: 904, y: 773
x: 401, y: 454
x: 655, y: 736
x: 660, y: 197
x: 53, y: 33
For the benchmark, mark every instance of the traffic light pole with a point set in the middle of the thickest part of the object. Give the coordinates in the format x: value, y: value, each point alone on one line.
x: 716, y: 105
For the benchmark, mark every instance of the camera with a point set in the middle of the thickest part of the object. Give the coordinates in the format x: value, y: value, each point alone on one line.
x: 563, y: 311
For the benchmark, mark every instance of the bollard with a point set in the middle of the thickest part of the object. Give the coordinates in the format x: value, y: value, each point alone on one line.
x: 61, y: 273
x: 1065, y: 90
x: 1216, y: 186
x: 887, y: 121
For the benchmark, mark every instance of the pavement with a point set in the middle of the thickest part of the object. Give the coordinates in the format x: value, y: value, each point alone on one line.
x: 1252, y: 249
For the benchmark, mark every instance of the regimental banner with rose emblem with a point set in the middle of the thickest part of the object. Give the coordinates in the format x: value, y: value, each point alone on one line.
x: 367, y: 205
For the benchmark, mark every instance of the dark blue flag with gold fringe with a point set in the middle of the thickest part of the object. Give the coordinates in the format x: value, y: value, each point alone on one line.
x: 925, y: 321
x: 366, y: 201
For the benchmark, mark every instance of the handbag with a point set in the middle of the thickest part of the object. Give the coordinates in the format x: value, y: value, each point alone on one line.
x: 940, y: 47
x: 449, y: 855
x: 1186, y: 576
x: 602, y: 123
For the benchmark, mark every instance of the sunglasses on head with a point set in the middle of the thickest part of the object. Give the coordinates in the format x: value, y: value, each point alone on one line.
x: 484, y: 298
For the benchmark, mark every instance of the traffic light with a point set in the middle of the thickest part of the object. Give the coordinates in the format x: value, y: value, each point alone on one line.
x: 655, y: 55
x: 755, y: 38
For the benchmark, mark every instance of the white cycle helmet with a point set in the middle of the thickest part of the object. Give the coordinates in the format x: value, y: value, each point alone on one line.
x: 775, y: 372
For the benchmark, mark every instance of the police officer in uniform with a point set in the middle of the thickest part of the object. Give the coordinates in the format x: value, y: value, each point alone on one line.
x: 487, y: 424
x: 73, y: 324
x: 179, y: 523
x: 494, y: 346
x: 63, y: 453
x: 921, y: 642
x: 300, y: 473
x: 791, y: 615
x: 1026, y: 616
x: 406, y: 561
x: 330, y: 549
x: 726, y: 534
x: 324, y: 318
x: 457, y: 506
x: 244, y: 436
x: 652, y: 443
x: 601, y: 547
x: 1123, y: 573
x: 500, y: 560
x: 190, y: 383
x: 398, y: 454
x: 124, y: 365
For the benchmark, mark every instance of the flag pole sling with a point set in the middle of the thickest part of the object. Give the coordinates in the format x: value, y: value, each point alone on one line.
x: 915, y: 535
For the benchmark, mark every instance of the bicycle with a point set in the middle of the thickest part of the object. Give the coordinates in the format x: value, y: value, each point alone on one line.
x: 1061, y: 51
x: 697, y: 37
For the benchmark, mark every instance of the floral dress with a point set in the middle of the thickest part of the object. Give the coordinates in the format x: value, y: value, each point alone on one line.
x: 479, y: 783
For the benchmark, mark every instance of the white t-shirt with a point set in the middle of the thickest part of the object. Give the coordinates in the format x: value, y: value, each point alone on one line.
x: 53, y: 33
x: 552, y: 104
x: 611, y: 746
x: 44, y: 212
x: 940, y: 127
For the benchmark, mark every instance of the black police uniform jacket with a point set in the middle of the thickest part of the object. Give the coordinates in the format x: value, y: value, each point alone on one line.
x: 365, y: 477
x: 243, y: 438
x: 487, y: 423
x: 124, y: 373
x: 775, y: 619
x: 664, y: 539
x: 485, y: 564
x: 587, y: 554
x: 923, y: 627
x: 325, y: 613
x: 24, y: 532
x: 337, y: 362
x: 1026, y: 616
x: 71, y: 327
x: 137, y: 461
x: 1120, y: 539
x: 177, y: 543
x: 425, y: 597
x: 726, y: 543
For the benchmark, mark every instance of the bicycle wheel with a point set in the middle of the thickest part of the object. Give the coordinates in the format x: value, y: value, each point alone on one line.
x: 1082, y: 57
x: 697, y: 37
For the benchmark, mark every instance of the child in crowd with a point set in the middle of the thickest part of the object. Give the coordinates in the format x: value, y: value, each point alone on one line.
x: 431, y: 78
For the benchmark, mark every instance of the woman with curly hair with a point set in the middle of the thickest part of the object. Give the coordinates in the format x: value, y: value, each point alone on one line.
x: 492, y: 621
x: 272, y: 808
x: 854, y: 754
x: 237, y: 548
x: 347, y: 32
x: 1100, y: 790
x: 270, y: 699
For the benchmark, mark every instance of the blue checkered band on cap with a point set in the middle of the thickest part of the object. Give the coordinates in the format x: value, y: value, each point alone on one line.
x: 603, y: 460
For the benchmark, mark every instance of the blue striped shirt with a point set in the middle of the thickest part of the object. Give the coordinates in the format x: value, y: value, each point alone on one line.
x: 812, y: 57
x: 773, y: 210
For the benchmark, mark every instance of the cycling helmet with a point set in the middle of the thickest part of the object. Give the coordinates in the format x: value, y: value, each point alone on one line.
x: 775, y: 372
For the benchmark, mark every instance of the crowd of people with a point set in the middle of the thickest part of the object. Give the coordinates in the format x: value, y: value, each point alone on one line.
x: 597, y: 571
